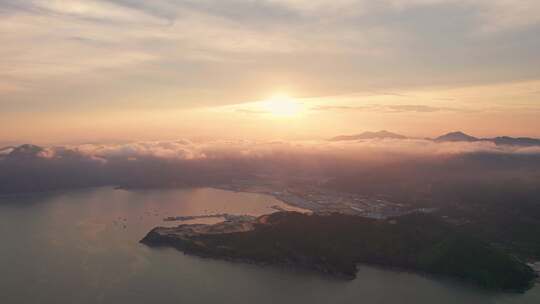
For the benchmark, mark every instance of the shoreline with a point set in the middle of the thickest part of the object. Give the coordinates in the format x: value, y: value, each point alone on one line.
x: 280, y: 239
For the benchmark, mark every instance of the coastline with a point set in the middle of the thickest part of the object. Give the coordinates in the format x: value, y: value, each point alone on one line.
x: 281, y: 239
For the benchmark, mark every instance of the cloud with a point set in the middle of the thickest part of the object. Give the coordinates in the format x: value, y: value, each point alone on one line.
x: 250, y: 111
x: 308, y: 41
x: 180, y: 163
x: 188, y: 150
x: 503, y: 15
x: 492, y: 15
x: 388, y: 108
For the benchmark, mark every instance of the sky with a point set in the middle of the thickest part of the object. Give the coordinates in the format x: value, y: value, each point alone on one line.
x: 121, y: 70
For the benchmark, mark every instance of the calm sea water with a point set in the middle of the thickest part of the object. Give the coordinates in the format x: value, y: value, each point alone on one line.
x: 82, y: 247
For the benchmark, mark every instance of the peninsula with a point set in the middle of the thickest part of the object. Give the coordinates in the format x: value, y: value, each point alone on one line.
x: 335, y: 243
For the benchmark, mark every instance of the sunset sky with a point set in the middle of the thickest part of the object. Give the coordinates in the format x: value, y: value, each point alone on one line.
x: 120, y: 70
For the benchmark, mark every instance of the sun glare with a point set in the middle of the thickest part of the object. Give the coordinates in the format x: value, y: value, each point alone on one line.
x: 282, y: 105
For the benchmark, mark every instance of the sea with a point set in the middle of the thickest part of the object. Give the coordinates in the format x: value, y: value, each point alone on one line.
x: 82, y: 246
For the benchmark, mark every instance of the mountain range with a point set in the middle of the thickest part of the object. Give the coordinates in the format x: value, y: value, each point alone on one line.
x: 456, y: 136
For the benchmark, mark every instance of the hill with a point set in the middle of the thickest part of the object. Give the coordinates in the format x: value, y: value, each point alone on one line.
x: 369, y: 135
x: 335, y: 243
x: 455, y: 137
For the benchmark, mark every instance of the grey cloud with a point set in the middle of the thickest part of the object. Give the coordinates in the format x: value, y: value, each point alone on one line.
x: 162, y: 9
x: 12, y: 6
x: 248, y: 12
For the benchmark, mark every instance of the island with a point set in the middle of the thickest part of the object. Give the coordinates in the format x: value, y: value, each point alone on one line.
x: 335, y: 243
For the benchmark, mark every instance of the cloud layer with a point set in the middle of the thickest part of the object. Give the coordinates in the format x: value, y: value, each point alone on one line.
x: 30, y: 168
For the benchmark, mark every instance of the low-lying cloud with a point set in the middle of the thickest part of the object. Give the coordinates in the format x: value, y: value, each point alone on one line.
x: 183, y: 163
x: 188, y: 150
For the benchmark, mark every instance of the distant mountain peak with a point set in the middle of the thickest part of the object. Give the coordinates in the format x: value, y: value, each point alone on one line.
x: 456, y: 136
x: 515, y: 141
x: 383, y: 134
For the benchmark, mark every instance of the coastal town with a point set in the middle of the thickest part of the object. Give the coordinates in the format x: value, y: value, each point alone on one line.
x: 318, y: 200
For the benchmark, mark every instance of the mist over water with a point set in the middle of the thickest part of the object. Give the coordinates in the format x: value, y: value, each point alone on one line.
x: 82, y: 247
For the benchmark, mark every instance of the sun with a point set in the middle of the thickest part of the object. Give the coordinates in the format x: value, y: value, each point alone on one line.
x: 282, y: 105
